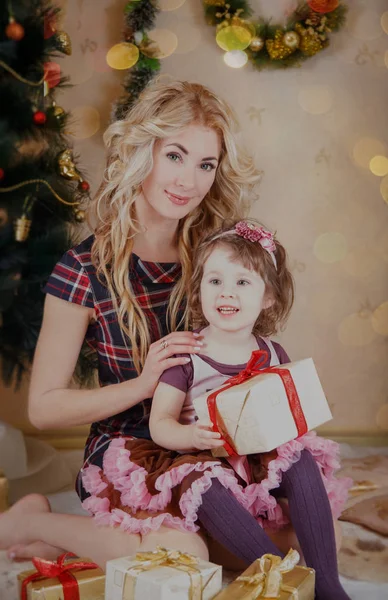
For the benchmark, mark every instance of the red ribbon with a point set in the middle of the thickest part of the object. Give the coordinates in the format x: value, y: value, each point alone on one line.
x: 253, y: 368
x: 61, y: 570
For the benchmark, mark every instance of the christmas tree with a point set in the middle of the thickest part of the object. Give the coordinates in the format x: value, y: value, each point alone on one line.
x: 42, y: 192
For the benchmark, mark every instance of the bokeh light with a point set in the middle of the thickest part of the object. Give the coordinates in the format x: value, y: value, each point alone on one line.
x: 236, y: 59
x: 122, y: 56
x: 384, y: 188
x: 384, y: 21
x: 356, y: 330
x: 164, y: 78
x: 379, y: 166
x: 188, y: 36
x: 163, y: 43
x: 365, y: 149
x: 166, y: 5
x: 330, y: 247
x: 85, y: 122
x: 233, y: 37
x: 316, y: 99
x: 380, y: 319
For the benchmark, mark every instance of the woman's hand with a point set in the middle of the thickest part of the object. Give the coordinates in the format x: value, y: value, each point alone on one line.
x: 161, y: 357
x: 204, y: 438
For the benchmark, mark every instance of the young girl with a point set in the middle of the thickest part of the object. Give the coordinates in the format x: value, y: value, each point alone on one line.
x: 241, y: 292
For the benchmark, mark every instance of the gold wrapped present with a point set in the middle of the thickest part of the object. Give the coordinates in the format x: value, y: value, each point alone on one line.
x: 259, y: 409
x: 273, y: 577
x: 3, y: 492
x: 162, y: 575
x: 74, y: 579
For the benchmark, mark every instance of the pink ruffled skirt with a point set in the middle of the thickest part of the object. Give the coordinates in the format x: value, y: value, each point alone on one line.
x: 143, y: 486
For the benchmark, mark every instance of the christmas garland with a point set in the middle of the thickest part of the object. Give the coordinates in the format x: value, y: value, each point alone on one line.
x: 269, y: 45
x: 140, y: 17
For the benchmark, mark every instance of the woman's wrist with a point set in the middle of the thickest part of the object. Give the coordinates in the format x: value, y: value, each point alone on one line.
x: 141, y: 388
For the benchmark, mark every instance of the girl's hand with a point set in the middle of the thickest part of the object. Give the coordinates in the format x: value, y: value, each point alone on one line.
x: 203, y: 438
x: 161, y: 357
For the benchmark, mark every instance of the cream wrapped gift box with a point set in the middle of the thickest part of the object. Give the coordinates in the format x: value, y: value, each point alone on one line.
x: 262, y: 412
x: 162, y: 575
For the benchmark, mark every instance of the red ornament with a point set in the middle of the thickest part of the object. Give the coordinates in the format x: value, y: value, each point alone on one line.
x: 49, y: 25
x: 2, y: 173
x: 39, y: 117
x: 84, y: 186
x: 52, y: 73
x: 14, y: 31
x: 323, y: 6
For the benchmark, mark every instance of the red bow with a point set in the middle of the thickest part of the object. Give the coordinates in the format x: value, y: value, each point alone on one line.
x: 255, y: 367
x: 61, y: 570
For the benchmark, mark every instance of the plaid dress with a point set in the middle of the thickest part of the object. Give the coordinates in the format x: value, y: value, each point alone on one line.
x: 74, y: 280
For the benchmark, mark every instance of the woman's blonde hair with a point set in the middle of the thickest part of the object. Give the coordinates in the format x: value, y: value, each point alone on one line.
x: 161, y: 111
x: 279, y: 284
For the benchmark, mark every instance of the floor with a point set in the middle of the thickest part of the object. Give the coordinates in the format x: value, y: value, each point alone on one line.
x: 67, y: 501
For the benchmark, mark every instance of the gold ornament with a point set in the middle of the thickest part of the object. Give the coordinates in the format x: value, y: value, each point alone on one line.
x: 57, y: 113
x: 234, y: 37
x: 63, y: 42
x: 215, y: 2
x: 22, y: 228
x: 277, y: 48
x: 310, y: 43
x: 291, y: 39
x: 79, y: 215
x: 256, y: 44
x: 67, y: 167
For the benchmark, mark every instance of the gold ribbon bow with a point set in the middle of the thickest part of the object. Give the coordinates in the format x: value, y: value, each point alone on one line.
x: 268, y: 583
x: 162, y: 557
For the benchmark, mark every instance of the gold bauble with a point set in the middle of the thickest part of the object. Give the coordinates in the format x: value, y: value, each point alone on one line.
x: 256, y: 44
x: 22, y: 228
x: 63, y: 42
x: 310, y: 44
x: 66, y: 165
x: 291, y: 39
x: 276, y: 48
x: 79, y: 215
x: 58, y: 111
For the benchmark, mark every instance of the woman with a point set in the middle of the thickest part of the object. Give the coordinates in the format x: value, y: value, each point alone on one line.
x: 173, y: 172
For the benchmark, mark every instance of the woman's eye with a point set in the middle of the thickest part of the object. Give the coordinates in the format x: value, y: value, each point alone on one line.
x: 173, y: 156
x: 207, y: 167
x: 215, y: 281
x: 243, y: 282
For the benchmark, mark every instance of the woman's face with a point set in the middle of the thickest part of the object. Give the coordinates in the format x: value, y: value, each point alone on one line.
x: 184, y: 170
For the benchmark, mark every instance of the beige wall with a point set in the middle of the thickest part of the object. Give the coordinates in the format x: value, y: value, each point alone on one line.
x: 306, y: 129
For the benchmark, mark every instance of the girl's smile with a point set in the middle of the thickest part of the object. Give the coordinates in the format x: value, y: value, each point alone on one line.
x: 232, y: 296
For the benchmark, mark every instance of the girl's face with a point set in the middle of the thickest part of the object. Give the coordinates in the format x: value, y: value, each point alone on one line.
x: 184, y: 171
x: 232, y: 296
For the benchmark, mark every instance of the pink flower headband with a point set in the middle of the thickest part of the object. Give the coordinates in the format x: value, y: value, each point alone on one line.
x: 254, y: 234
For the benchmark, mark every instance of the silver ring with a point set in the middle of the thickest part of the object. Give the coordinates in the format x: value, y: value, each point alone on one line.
x: 164, y: 344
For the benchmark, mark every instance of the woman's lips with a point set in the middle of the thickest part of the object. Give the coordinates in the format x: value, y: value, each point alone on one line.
x: 179, y: 200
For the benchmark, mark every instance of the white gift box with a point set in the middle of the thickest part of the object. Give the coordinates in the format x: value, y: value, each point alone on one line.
x: 162, y: 575
x: 256, y: 414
